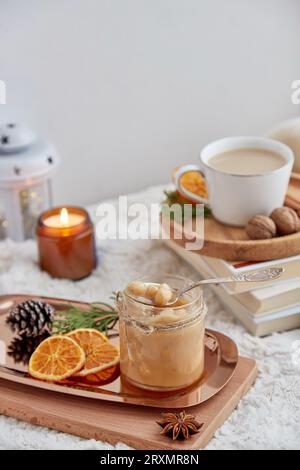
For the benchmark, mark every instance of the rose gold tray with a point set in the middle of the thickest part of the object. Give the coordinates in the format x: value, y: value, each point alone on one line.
x: 221, y: 357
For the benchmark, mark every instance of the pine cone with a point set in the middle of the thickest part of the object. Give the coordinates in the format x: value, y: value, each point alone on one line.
x: 31, y: 318
x: 22, y: 347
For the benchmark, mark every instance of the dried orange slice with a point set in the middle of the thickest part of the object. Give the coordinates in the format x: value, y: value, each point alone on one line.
x: 100, y: 378
x: 99, y: 352
x: 105, y: 375
x: 56, y: 358
x: 193, y: 182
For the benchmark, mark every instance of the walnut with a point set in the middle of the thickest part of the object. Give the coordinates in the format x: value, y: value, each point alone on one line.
x: 261, y: 227
x: 286, y: 220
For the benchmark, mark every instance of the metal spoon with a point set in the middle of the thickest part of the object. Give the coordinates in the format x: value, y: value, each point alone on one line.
x: 255, y: 276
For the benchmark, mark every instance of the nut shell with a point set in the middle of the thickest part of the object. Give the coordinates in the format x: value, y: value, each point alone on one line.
x: 261, y: 227
x: 287, y: 220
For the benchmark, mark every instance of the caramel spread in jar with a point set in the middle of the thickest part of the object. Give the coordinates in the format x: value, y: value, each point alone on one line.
x: 161, y: 348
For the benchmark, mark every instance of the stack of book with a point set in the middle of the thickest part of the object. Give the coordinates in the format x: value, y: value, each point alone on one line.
x: 262, y: 308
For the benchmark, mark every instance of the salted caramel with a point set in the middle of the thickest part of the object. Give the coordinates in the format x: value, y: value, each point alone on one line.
x: 162, y: 348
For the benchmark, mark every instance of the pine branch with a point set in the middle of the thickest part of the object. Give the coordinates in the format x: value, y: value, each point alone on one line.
x: 101, y: 316
x: 173, y: 197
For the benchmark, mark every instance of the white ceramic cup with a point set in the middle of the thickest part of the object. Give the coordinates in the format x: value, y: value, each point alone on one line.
x: 234, y: 199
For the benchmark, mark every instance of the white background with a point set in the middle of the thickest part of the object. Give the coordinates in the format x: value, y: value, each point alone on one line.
x: 128, y: 89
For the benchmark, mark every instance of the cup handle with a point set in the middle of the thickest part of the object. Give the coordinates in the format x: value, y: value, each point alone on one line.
x: 193, y: 197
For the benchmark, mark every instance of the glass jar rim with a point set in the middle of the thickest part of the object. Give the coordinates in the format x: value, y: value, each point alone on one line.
x: 197, y: 311
x: 155, y: 307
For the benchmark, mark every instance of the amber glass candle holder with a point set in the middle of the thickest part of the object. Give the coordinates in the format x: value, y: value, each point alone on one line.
x: 66, y: 243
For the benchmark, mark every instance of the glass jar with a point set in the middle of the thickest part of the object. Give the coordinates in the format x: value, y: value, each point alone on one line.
x: 162, y: 348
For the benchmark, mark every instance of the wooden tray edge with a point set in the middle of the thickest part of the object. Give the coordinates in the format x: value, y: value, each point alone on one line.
x: 246, y: 250
x: 52, y: 421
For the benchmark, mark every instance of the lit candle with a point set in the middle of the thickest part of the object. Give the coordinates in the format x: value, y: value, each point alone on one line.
x: 66, y: 243
x: 64, y: 219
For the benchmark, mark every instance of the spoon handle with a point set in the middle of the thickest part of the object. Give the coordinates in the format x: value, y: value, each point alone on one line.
x: 220, y: 280
x: 256, y: 276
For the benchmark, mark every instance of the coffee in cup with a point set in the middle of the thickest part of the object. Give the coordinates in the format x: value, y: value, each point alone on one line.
x: 245, y: 176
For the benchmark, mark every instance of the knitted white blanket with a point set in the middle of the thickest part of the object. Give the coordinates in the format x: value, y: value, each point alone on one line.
x: 269, y: 415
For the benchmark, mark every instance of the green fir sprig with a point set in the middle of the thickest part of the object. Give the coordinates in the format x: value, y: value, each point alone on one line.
x: 173, y: 197
x: 100, y: 316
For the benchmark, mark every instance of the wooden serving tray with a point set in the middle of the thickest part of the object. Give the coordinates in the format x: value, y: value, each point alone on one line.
x: 113, y: 422
x: 232, y: 244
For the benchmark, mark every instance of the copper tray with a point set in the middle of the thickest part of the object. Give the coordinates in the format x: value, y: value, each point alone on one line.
x: 221, y: 357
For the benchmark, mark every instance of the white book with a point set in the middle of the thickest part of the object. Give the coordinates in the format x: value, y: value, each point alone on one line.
x: 222, y: 268
x: 261, y: 325
x: 286, y: 319
x: 228, y: 268
x: 232, y: 267
x: 278, y: 296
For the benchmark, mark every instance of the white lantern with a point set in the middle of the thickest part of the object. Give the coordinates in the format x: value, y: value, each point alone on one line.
x: 26, y: 166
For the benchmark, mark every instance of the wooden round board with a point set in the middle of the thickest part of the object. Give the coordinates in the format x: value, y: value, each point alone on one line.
x: 233, y: 244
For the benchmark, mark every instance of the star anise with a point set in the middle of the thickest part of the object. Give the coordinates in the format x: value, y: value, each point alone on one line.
x: 179, y: 425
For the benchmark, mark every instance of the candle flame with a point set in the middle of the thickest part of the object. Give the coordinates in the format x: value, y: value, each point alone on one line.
x: 64, y: 217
